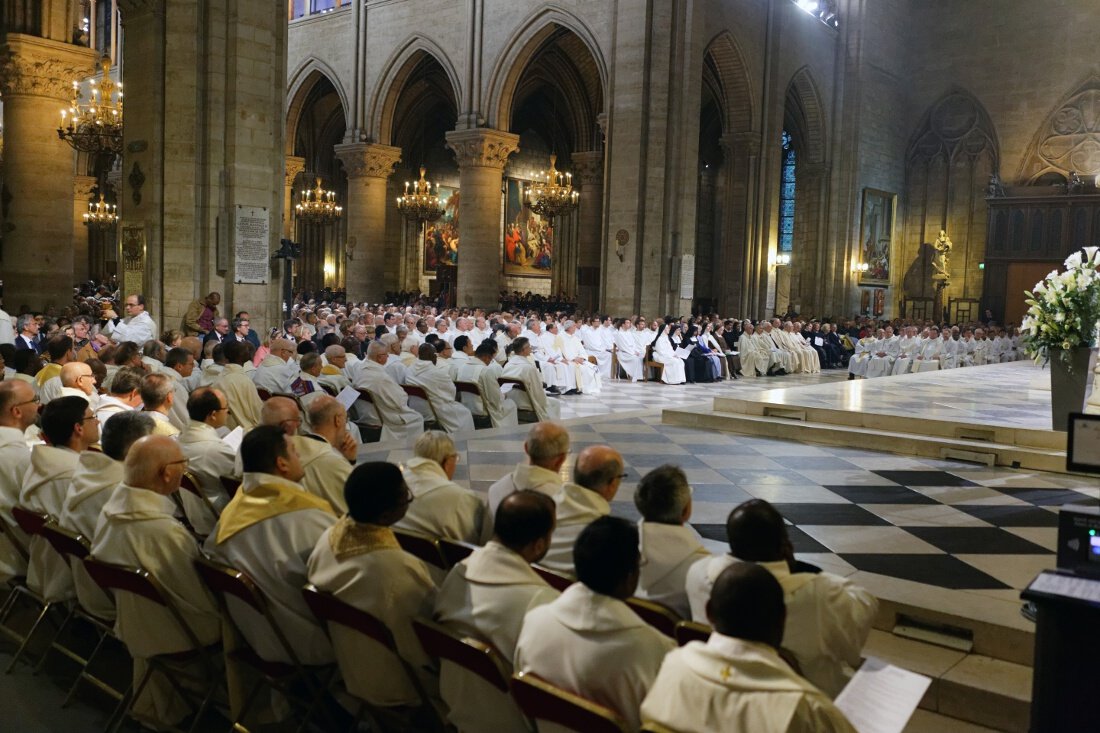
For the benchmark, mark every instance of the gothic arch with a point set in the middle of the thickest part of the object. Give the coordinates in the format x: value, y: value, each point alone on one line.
x: 302, y: 82
x: 391, y: 82
x: 805, y: 111
x: 1069, y: 138
x: 734, y: 90
x: 956, y: 125
x: 522, y: 47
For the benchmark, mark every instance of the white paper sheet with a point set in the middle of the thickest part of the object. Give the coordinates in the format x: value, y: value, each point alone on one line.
x: 233, y: 438
x: 506, y: 388
x: 347, y: 397
x: 683, y: 351
x: 881, y: 697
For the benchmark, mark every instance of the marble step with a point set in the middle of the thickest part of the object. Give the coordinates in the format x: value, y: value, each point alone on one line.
x: 891, y: 440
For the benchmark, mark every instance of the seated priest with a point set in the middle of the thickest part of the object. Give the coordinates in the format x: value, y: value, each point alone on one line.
x: 239, y: 390
x: 532, y: 397
x: 597, y: 476
x: 435, y: 380
x: 209, y: 457
x: 442, y: 508
x: 390, y: 407
x: 484, y: 371
x: 546, y: 446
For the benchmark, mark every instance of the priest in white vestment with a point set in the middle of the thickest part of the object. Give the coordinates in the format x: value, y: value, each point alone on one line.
x: 138, y: 326
x: 209, y: 457
x: 179, y: 365
x: 754, y: 363
x: 627, y: 351
x: 124, y: 394
x: 277, y: 370
x: 598, y: 340
x: 597, y: 475
x: 463, y: 355
x: 338, y: 365
x: 483, y: 371
x: 965, y: 356
x: 546, y: 446
x: 268, y: 531
x: 486, y: 597
x: 883, y: 353
x: 399, y: 421
x: 435, y: 379
x: 534, y: 398
x: 981, y: 348
x: 588, y: 641
x: 766, y: 347
x: 327, y: 451
x: 239, y: 390
x: 442, y: 508
x: 861, y: 358
x: 359, y: 560
x: 586, y: 374
x: 930, y: 354
x: 551, y: 361
x: 736, y: 680
x: 18, y: 411
x: 908, y: 348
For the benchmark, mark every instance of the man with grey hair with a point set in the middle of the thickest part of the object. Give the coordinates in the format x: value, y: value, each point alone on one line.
x: 153, y: 354
x: 27, y: 326
x: 210, y: 458
x: 389, y: 404
x: 440, y: 507
x: 547, y: 446
x: 308, y: 384
x: 394, y: 366
x: 669, y: 545
x: 125, y: 394
x: 157, y: 398
x: 278, y: 369
x: 586, y: 374
x: 596, y: 479
x: 327, y: 451
x: 339, y: 365
x: 435, y: 380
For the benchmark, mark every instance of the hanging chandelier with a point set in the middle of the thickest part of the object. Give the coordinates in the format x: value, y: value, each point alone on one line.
x: 101, y: 214
x: 318, y: 206
x: 95, y: 126
x: 552, y: 193
x: 421, y: 204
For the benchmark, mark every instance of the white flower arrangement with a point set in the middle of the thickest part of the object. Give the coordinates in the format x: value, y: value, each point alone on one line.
x: 1064, y: 308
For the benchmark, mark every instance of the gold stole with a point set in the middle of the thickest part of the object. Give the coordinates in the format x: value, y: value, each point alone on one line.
x: 264, y: 502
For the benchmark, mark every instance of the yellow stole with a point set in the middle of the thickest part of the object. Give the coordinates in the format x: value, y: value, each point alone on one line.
x: 329, y: 369
x: 264, y: 502
x: 349, y: 538
x: 48, y: 372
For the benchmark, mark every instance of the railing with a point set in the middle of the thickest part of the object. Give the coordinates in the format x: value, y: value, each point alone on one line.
x: 306, y: 8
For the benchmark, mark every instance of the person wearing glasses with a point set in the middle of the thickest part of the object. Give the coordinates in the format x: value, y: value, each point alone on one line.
x: 18, y: 411
x: 78, y: 380
x: 137, y: 326
x: 210, y: 458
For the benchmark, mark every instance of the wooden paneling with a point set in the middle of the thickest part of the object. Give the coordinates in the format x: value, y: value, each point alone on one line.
x: 1021, y: 277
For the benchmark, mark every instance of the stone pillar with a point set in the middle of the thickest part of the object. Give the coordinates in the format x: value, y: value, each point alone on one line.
x: 481, y: 154
x: 294, y: 166
x: 588, y: 176
x: 742, y: 258
x: 36, y: 77
x: 369, y: 167
x: 82, y: 192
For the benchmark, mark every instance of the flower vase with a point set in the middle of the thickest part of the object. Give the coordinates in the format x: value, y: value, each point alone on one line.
x: 1068, y: 381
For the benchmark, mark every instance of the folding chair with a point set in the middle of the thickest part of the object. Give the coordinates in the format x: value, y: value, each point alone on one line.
x: 190, y: 484
x: 370, y: 433
x: 455, y: 551
x: 331, y: 610
x: 542, y: 701
x: 651, y: 727
x: 419, y: 393
x: 422, y: 546
x: 21, y: 550
x: 557, y: 581
x: 691, y: 631
x: 480, y: 421
x: 31, y: 524
x: 264, y: 394
x: 225, y: 582
x: 657, y: 615
x: 175, y: 665
x: 525, y: 414
x: 614, y: 361
x: 230, y: 485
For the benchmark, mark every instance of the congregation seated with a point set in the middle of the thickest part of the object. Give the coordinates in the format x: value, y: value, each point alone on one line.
x: 588, y: 641
x: 828, y: 616
x: 736, y: 680
x: 435, y: 379
x: 597, y: 475
x: 532, y: 397
x: 442, y: 508
x: 546, y: 446
x: 18, y: 412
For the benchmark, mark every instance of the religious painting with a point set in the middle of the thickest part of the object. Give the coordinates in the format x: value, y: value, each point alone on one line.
x: 876, y: 236
x: 439, y: 240
x: 528, y: 237
x: 880, y: 302
x: 865, y: 302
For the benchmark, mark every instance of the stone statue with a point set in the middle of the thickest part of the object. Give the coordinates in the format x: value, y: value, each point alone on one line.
x: 996, y: 189
x: 941, y: 260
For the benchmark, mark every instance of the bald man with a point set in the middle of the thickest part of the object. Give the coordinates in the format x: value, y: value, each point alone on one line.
x: 18, y: 411
x: 78, y: 380
x: 327, y: 451
x: 137, y: 529
x: 210, y: 458
x: 597, y: 476
x: 278, y: 369
x: 337, y: 368
x: 546, y: 446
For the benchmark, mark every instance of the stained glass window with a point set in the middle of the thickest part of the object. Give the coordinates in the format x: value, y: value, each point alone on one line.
x: 786, y: 196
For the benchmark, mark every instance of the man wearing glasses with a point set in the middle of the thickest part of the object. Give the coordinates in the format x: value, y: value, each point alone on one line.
x: 137, y: 326
x: 18, y: 411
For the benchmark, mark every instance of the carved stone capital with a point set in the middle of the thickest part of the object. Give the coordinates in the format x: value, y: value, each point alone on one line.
x: 482, y: 147
x: 32, y: 66
x: 294, y: 166
x: 369, y: 160
x: 82, y: 187
x: 588, y: 167
x: 740, y: 143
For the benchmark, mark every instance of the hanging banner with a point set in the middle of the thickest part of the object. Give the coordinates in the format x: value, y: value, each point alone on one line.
x: 251, y: 234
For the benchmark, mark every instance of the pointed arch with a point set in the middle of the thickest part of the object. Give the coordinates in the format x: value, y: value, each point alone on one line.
x: 522, y: 47
x: 805, y: 112
x: 302, y: 81
x: 955, y: 125
x: 731, y: 73
x: 1069, y: 137
x: 395, y: 73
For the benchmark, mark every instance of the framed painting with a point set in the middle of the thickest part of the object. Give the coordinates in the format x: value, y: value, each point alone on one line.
x: 876, y: 226
x: 528, y: 237
x: 439, y: 238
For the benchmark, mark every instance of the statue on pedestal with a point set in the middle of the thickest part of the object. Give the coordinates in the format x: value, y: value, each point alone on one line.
x: 941, y: 260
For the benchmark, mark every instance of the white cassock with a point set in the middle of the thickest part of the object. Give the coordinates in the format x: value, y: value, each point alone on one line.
x: 456, y: 362
x: 325, y: 470
x: 674, y: 371
x: 644, y: 337
x: 364, y: 566
x: 210, y: 373
x: 209, y: 458
x: 737, y: 685
x: 882, y: 366
x: 966, y: 352
x: 981, y: 352
x: 44, y: 488
x: 586, y: 375
x: 668, y: 552
x: 753, y: 363
x: 534, y: 399
x: 14, y: 457
x: 139, y: 329
x: 272, y: 548
x: 275, y: 375
x: 593, y: 645
x: 996, y: 352
x: 94, y: 480
x: 241, y: 395
x: 930, y: 353
x: 811, y: 359
x: 787, y: 358
x: 949, y: 357
x: 333, y: 378
x: 397, y: 368
x: 137, y: 529
x: 767, y: 349
x: 598, y: 342
x: 109, y: 405
x: 503, y: 342
x: 436, y: 381
x: 557, y: 373
x: 629, y: 354
x: 401, y: 422
x: 908, y: 348
x: 492, y: 403
x: 442, y: 508
x: 577, y: 508
x: 486, y: 597
x: 861, y: 359
x: 50, y: 390
x: 828, y: 617
x: 524, y: 476
x: 477, y: 336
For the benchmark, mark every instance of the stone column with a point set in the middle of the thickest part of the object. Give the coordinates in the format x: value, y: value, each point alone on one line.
x: 36, y: 77
x: 588, y: 176
x: 369, y: 167
x: 742, y: 259
x: 82, y: 192
x: 294, y: 166
x: 481, y: 154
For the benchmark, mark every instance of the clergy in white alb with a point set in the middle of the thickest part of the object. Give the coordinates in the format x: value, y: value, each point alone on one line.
x: 441, y: 508
x: 435, y: 380
x: 123, y: 394
x: 883, y: 353
x: 628, y: 353
x: 278, y: 369
x: 861, y: 358
x: 597, y: 475
x: 753, y: 362
x: 239, y: 390
x: 179, y: 365
x: 908, y: 346
x: 546, y: 446
x: 531, y: 397
x: 327, y: 451
x: 390, y: 407
x: 209, y: 457
x: 18, y: 411
x: 483, y: 371
x: 138, y: 326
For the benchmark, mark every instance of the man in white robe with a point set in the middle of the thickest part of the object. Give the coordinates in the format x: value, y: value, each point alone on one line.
x: 486, y: 597
x: 766, y: 348
x: 883, y: 353
x: 627, y: 351
x: 949, y: 358
x: 18, y: 411
x: 209, y: 457
x: 551, y: 361
x: 753, y: 362
x: 399, y: 421
x: 157, y: 397
x: 137, y: 327
x: 338, y: 365
x: 327, y: 450
x: 435, y: 379
x: 981, y: 348
x: 736, y: 680
x: 124, y: 394
x: 483, y: 371
x: 670, y: 546
x: 306, y: 386
x: 829, y: 617
x: 277, y: 370
x: 519, y: 367
x: 179, y: 365
x: 268, y: 531
x: 463, y: 355
x: 597, y: 475
x: 546, y: 446
x: 586, y: 375
x: 598, y: 341
x: 965, y: 354
x: 239, y: 390
x: 931, y: 352
x: 442, y: 508
x: 861, y: 359
x: 77, y: 379
x: 908, y: 346
x: 776, y: 344
x: 359, y: 560
x: 588, y: 641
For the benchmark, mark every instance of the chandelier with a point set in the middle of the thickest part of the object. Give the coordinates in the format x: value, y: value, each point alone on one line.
x: 421, y: 204
x: 95, y: 126
x: 318, y: 206
x: 552, y: 193
x: 101, y: 214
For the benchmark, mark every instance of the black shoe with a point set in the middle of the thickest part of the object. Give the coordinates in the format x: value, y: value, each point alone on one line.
x: 553, y: 389
x: 851, y: 376
x: 572, y: 391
